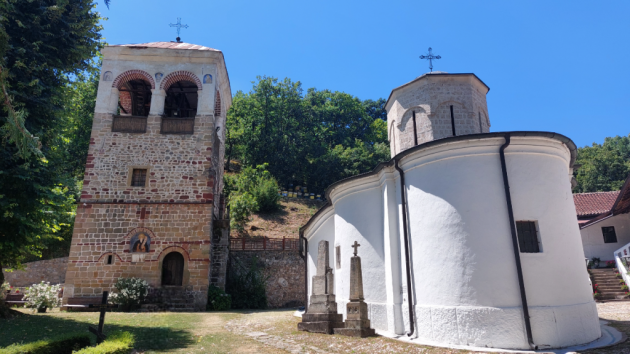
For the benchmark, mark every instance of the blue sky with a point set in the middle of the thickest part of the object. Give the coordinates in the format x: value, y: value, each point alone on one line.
x: 560, y: 66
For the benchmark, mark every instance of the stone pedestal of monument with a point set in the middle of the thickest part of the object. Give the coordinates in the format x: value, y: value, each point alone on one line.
x: 357, y: 323
x: 322, y: 316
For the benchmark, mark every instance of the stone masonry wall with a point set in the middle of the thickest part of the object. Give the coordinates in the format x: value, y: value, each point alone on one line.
x: 431, y: 97
x: 178, y: 164
x: 285, y: 269
x: 52, y: 270
x: 105, y: 229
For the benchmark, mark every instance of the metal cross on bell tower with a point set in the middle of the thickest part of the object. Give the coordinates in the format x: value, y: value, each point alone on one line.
x: 179, y: 27
x: 430, y: 57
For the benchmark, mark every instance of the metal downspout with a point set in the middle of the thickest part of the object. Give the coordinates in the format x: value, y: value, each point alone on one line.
x: 403, y: 197
x: 517, y: 255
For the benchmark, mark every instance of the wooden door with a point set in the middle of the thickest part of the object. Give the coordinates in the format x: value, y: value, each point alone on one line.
x: 173, y: 269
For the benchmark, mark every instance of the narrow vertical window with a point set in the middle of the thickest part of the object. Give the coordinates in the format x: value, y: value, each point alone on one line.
x: 139, y: 177
x: 338, y: 257
x: 609, y: 234
x: 480, y: 127
x: 453, y: 121
x: 110, y: 259
x: 527, y: 237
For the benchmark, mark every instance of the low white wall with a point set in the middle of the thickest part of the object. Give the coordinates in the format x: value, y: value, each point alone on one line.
x: 593, y: 238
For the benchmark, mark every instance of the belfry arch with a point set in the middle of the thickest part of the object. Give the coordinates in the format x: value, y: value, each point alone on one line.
x: 134, y: 93
x: 182, y: 97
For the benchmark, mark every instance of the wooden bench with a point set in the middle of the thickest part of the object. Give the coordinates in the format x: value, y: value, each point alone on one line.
x: 15, y: 299
x: 81, y: 304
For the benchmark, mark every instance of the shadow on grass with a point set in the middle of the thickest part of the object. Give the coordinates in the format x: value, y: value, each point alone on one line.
x: 30, y: 328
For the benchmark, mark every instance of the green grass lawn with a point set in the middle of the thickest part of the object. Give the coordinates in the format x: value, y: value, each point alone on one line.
x: 154, y: 332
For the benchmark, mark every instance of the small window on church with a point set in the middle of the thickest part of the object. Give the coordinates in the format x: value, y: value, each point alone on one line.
x: 110, y: 259
x: 609, y: 234
x: 139, y: 177
x: 528, y: 241
x: 338, y: 257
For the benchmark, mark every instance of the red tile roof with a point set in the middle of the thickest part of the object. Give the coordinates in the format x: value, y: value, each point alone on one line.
x: 593, y: 204
x: 166, y: 45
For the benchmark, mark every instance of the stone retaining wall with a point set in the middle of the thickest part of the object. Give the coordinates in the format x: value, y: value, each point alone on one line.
x: 285, y: 269
x: 53, y: 271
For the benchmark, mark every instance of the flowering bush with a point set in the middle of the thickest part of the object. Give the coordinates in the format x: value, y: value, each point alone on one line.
x: 131, y: 291
x: 610, y: 264
x: 218, y: 300
x: 6, y: 287
x: 42, y: 295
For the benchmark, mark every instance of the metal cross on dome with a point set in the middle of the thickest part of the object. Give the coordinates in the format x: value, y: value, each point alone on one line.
x: 430, y: 57
x: 179, y: 27
x: 355, y: 246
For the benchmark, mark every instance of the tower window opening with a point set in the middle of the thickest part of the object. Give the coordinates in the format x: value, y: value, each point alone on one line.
x: 110, y: 259
x: 181, y: 100
x: 134, y: 98
x: 139, y: 177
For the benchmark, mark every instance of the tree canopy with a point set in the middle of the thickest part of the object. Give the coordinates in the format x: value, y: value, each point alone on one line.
x: 308, y: 139
x: 603, y: 167
x: 48, y: 76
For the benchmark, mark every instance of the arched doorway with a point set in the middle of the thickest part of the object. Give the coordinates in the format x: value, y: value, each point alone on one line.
x: 173, y: 269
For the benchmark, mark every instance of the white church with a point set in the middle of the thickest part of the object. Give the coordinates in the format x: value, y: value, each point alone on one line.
x: 467, y: 237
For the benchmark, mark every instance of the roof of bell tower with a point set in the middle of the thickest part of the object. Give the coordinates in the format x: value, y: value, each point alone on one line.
x: 166, y: 45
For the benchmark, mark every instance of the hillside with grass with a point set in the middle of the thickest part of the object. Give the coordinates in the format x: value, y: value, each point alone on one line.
x: 284, y: 222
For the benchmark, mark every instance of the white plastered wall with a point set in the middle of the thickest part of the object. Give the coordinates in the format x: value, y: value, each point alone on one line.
x: 464, y: 279
x: 593, y: 238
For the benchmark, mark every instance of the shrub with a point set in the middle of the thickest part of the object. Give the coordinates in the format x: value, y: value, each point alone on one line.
x: 218, y: 300
x: 624, y: 287
x: 131, y: 291
x: 4, y: 289
x: 610, y: 264
x: 247, y: 285
x: 253, y: 190
x: 241, y: 208
x: 116, y: 343
x: 42, y: 295
x: 59, y: 345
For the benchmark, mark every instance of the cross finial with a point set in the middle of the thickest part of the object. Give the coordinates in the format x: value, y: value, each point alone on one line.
x: 355, y: 246
x: 430, y: 57
x: 179, y: 27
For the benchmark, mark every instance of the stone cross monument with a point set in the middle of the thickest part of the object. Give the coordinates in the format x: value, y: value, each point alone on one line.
x: 322, y: 316
x: 357, y: 323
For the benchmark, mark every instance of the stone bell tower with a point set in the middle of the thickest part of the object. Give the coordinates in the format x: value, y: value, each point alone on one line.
x: 436, y: 105
x: 154, y: 174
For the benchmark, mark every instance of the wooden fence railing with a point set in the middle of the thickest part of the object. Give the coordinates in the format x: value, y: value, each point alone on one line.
x: 177, y: 125
x: 129, y: 124
x: 263, y: 243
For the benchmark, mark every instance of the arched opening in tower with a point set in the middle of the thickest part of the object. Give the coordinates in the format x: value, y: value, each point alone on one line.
x: 181, y: 100
x: 134, y: 98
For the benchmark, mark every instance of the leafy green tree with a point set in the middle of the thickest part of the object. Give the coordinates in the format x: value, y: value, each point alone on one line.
x: 44, y: 44
x: 301, y: 136
x: 603, y: 167
x: 376, y: 109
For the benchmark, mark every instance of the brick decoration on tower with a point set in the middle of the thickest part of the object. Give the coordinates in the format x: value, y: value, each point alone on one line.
x: 180, y: 76
x: 217, y: 105
x: 133, y: 75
